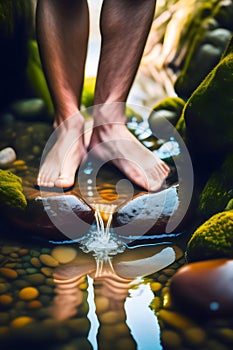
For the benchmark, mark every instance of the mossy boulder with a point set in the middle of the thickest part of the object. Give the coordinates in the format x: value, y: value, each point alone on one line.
x: 11, y: 190
x: 213, y: 239
x: 170, y: 109
x: 218, y: 190
x: 205, y: 37
x: 208, y: 114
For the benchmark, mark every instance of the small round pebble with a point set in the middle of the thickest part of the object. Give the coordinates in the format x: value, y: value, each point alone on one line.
x: 35, y: 262
x: 7, y: 156
x: 5, y: 300
x: 8, y: 273
x: 34, y: 304
x: 48, y: 260
x: 156, y: 286
x: 35, y: 279
x: 28, y: 293
x: 21, y: 321
x: 4, y: 287
x: 64, y: 255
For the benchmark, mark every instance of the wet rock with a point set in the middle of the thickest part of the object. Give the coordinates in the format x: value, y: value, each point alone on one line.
x: 48, y: 260
x: 204, y: 288
x: 7, y: 156
x: 8, y: 273
x: 21, y: 321
x: 5, y: 300
x: 28, y: 108
x: 28, y: 293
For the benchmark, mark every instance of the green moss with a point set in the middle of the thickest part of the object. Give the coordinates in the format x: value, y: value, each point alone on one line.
x: 208, y: 114
x: 218, y: 190
x: 11, y: 190
x: 213, y: 239
x: 170, y: 109
x: 35, y: 76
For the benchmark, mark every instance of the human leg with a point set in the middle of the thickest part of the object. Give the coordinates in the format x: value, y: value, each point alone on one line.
x: 125, y: 25
x: 62, y: 31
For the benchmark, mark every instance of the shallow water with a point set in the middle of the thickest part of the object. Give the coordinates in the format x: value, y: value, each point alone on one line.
x: 53, y: 295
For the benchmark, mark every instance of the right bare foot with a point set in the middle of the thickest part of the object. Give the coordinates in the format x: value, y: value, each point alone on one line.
x: 65, y: 156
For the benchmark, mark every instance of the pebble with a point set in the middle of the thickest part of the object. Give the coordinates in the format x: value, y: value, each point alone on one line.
x: 4, y: 287
x: 35, y: 279
x: 21, y: 321
x: 204, y: 288
x: 7, y: 156
x: 47, y: 271
x: 48, y: 260
x: 45, y: 289
x: 35, y: 262
x: 156, y: 286
x: 23, y: 252
x: 5, y: 300
x: 64, y: 255
x: 28, y: 108
x: 8, y: 273
x: 34, y: 304
x: 28, y: 293
x: 31, y: 270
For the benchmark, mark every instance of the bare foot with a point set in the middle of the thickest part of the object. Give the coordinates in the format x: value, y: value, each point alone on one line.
x: 62, y: 161
x: 114, y: 142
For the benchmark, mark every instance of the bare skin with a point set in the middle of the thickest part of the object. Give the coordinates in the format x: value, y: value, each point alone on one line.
x: 62, y: 33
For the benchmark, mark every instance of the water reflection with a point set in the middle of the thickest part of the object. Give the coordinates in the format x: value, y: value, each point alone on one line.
x: 117, y: 301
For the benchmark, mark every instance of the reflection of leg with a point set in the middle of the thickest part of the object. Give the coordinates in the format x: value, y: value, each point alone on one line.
x: 110, y: 294
x: 62, y: 29
x: 124, y: 27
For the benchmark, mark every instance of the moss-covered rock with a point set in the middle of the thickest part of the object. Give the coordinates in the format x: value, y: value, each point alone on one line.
x: 218, y: 190
x: 170, y: 109
x: 208, y: 113
x: 205, y: 36
x: 11, y: 190
x: 213, y: 239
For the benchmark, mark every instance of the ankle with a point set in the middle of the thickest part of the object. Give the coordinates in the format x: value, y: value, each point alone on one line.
x: 108, y: 114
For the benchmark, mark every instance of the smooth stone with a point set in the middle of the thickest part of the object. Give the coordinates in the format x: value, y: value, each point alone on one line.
x: 35, y: 262
x: 28, y: 293
x: 35, y: 279
x: 8, y: 273
x: 5, y: 300
x: 47, y: 271
x: 63, y: 254
x: 195, y: 336
x: 48, y: 260
x: 7, y: 156
x: 204, y: 288
x: 156, y: 286
x: 45, y: 290
x: 101, y: 304
x: 23, y: 252
x: 174, y: 319
x: 28, y: 108
x: 34, y: 304
x: 21, y: 321
x: 31, y: 270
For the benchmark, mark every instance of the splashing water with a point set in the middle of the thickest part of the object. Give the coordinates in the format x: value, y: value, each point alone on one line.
x: 101, y: 239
